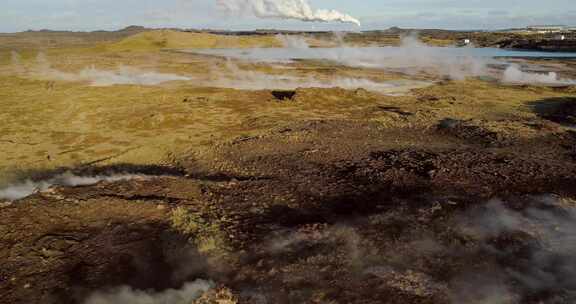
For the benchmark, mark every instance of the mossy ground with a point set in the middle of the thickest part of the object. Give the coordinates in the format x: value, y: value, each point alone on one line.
x: 343, y: 196
x: 47, y: 123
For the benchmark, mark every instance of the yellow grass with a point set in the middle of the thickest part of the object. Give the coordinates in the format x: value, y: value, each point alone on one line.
x: 47, y: 123
x: 168, y: 39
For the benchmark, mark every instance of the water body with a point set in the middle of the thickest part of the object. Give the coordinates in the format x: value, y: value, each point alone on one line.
x: 451, y: 62
x: 371, y: 53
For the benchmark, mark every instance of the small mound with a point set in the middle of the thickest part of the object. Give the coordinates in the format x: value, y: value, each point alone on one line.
x: 284, y: 95
x: 559, y: 110
x: 494, y: 133
x: 169, y: 39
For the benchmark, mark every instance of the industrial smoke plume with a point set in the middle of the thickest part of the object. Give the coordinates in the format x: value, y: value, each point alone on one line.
x: 285, y: 9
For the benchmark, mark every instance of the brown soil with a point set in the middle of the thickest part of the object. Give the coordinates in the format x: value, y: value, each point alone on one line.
x: 299, y: 215
x: 460, y: 192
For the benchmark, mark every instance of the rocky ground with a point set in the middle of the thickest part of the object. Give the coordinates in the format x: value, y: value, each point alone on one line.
x: 461, y: 192
x: 453, y: 214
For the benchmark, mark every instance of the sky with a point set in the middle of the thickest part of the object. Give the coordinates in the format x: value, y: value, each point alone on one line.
x: 21, y: 15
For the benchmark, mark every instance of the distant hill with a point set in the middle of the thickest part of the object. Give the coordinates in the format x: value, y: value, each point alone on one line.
x: 35, y: 39
x: 172, y: 39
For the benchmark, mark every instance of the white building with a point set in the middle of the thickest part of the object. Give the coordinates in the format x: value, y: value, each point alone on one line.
x: 543, y: 29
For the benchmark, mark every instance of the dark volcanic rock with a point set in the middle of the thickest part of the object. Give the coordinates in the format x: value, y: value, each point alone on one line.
x: 315, y: 212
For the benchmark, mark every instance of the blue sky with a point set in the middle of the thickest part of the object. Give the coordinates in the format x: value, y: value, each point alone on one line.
x: 19, y: 15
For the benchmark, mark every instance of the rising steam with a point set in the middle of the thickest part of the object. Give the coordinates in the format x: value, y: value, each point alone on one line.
x: 232, y: 76
x: 126, y: 295
x: 292, y: 42
x: 411, y: 57
x: 514, y: 74
x: 101, y: 78
x: 26, y: 188
x: 285, y: 9
x: 16, y: 61
x: 546, y: 262
x: 16, y: 58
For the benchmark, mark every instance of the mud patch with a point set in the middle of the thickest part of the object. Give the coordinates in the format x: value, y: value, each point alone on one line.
x: 559, y: 110
x: 285, y: 95
x: 74, y: 248
x: 496, y: 133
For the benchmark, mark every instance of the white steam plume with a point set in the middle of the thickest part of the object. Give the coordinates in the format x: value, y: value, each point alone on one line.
x: 29, y: 187
x: 514, y: 74
x: 102, y: 78
x: 411, y: 57
x: 292, y: 42
x: 126, y: 295
x: 549, y: 260
x: 16, y: 58
x: 234, y: 77
x: 122, y: 75
x: 42, y: 61
x: 285, y: 9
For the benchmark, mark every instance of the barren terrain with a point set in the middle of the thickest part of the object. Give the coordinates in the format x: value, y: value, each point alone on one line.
x: 460, y: 191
